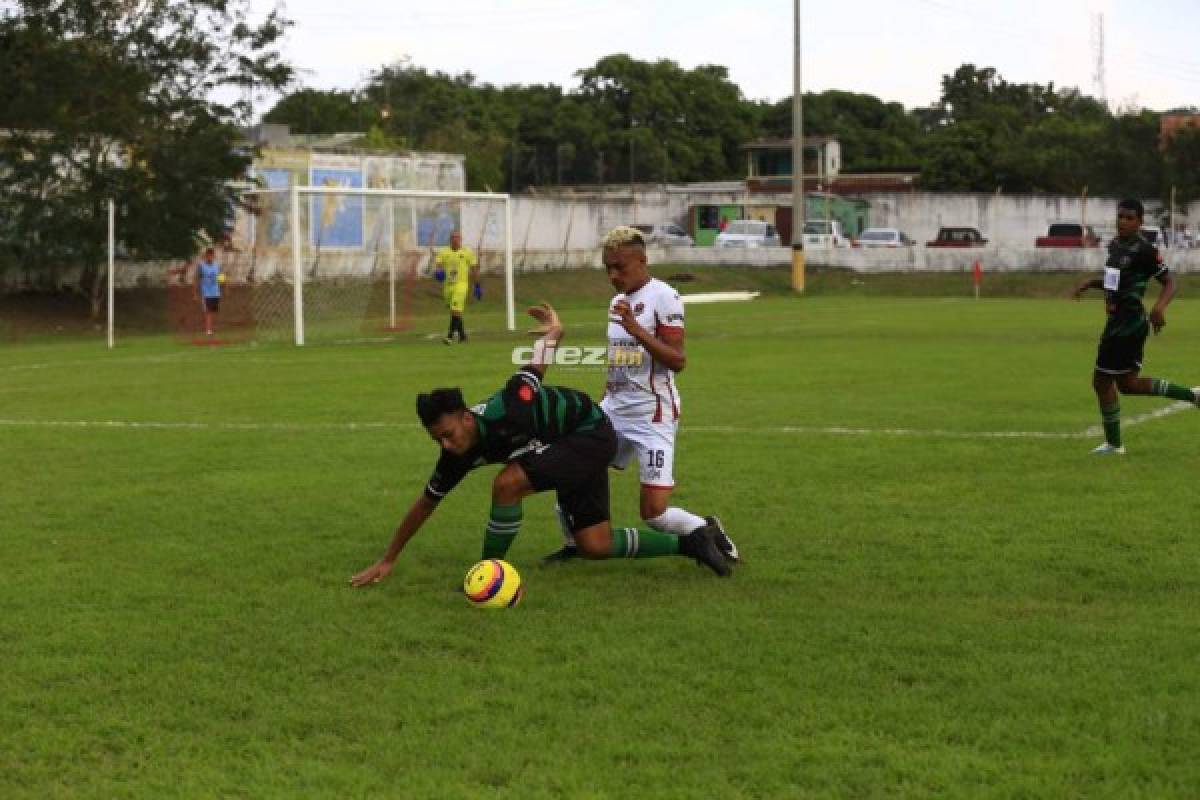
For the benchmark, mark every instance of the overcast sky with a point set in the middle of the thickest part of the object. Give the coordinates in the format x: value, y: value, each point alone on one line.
x: 896, y: 50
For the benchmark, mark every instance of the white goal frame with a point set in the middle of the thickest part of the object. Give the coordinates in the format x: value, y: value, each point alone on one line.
x: 296, y: 192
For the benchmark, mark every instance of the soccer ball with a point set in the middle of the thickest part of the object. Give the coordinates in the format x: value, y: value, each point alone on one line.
x: 221, y: 278
x: 493, y: 584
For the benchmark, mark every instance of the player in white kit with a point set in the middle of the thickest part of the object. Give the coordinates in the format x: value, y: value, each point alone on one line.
x: 645, y: 350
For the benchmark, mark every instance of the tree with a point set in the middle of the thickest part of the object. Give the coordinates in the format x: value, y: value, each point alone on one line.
x: 316, y: 111
x: 873, y: 134
x: 650, y: 118
x: 109, y: 99
x: 1183, y: 165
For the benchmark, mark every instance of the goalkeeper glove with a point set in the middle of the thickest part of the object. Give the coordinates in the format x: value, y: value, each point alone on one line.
x: 478, y: 291
x: 439, y: 275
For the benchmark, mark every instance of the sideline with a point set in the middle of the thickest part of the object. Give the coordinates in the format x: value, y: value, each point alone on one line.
x: 815, y: 430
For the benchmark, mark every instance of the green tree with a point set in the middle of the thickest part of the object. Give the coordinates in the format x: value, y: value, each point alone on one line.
x: 1182, y: 166
x: 652, y: 119
x: 873, y: 134
x: 316, y: 111
x: 109, y: 99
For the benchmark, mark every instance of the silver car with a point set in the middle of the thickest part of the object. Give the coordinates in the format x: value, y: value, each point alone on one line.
x: 666, y: 233
x: 883, y: 237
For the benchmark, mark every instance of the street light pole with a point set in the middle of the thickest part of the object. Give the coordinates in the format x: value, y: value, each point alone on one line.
x: 798, y: 213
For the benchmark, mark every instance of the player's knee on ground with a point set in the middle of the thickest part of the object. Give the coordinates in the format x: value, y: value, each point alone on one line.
x: 594, y: 541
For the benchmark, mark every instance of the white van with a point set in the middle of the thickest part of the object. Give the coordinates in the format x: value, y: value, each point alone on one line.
x: 748, y: 233
x: 824, y: 234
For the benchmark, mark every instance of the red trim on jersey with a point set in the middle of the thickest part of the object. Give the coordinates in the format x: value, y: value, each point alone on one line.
x: 671, y: 391
x: 657, y: 486
x: 658, y: 326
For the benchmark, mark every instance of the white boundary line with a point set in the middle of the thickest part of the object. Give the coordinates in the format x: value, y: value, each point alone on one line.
x: 1158, y: 413
x: 205, y: 426
x: 836, y: 430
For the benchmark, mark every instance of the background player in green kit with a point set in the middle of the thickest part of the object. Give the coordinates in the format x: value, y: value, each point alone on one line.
x: 547, y: 438
x: 1132, y: 262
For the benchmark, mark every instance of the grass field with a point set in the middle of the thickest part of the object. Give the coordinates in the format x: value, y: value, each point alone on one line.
x: 943, y: 594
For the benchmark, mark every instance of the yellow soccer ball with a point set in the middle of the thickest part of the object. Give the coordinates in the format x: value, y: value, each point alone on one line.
x: 493, y: 584
x: 221, y: 277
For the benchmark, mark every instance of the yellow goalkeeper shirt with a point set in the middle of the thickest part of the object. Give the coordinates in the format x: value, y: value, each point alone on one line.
x: 457, y: 264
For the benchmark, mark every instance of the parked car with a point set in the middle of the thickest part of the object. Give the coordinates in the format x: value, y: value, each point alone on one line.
x: 748, y: 233
x: 824, y: 233
x: 957, y: 237
x: 666, y: 233
x: 1068, y: 234
x: 884, y: 237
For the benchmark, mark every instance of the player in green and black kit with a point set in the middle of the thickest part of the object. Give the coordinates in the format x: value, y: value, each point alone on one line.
x: 1132, y: 262
x: 547, y: 437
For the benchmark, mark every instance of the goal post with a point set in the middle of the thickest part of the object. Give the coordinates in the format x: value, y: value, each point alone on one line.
x: 319, y: 254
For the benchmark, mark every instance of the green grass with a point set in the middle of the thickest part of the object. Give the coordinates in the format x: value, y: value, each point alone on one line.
x: 930, y: 613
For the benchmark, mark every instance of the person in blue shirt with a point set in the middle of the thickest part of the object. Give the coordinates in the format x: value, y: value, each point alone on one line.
x: 208, y: 287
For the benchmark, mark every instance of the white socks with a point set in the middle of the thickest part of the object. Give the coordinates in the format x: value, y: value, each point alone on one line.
x: 676, y: 521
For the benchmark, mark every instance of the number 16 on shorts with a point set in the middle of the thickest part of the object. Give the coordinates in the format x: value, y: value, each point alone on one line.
x: 656, y: 468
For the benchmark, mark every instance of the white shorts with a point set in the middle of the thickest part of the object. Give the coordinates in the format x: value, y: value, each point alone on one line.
x: 652, y: 444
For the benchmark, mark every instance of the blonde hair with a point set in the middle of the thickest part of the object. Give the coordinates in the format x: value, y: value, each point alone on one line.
x: 622, y: 235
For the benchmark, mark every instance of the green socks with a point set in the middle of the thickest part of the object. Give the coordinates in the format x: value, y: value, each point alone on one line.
x: 642, y: 543
x: 503, y: 524
x: 1111, y: 417
x: 1164, y: 388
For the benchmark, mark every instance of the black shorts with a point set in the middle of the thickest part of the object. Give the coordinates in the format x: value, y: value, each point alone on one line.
x: 576, y: 468
x: 212, y: 304
x: 1118, y: 355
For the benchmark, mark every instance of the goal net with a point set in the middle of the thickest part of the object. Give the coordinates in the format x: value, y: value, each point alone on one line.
x: 316, y: 262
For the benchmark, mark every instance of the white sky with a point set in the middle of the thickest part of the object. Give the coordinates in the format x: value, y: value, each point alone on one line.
x: 896, y: 50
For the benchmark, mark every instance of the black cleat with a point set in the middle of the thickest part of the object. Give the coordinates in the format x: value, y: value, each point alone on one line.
x: 724, y: 543
x: 701, y: 544
x: 561, y: 556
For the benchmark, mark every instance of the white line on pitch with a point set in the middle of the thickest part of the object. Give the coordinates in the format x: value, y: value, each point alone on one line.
x: 838, y: 430
x: 205, y: 426
x: 354, y: 426
x: 1158, y: 413
x: 834, y: 430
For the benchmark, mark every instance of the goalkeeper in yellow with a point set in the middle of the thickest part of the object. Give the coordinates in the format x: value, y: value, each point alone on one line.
x: 461, y: 270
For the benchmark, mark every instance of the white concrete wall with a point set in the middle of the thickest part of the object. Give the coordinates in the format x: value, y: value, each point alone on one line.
x: 349, y: 266
x: 919, y: 259
x: 564, y: 232
x: 1006, y: 220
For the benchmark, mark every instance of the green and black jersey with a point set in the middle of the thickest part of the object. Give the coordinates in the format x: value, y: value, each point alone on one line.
x: 1131, y: 263
x: 522, y: 416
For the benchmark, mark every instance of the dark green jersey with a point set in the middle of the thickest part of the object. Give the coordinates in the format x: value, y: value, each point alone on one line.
x: 523, y: 416
x: 1131, y: 263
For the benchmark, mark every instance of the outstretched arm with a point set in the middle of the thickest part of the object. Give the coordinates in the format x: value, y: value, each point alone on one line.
x: 420, y: 511
x: 551, y: 330
x: 1090, y: 283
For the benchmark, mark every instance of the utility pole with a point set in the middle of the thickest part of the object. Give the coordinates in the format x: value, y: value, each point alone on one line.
x: 632, y: 125
x: 1170, y: 237
x: 798, y: 213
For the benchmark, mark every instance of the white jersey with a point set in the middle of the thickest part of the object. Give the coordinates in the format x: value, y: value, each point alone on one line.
x: 638, y: 386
